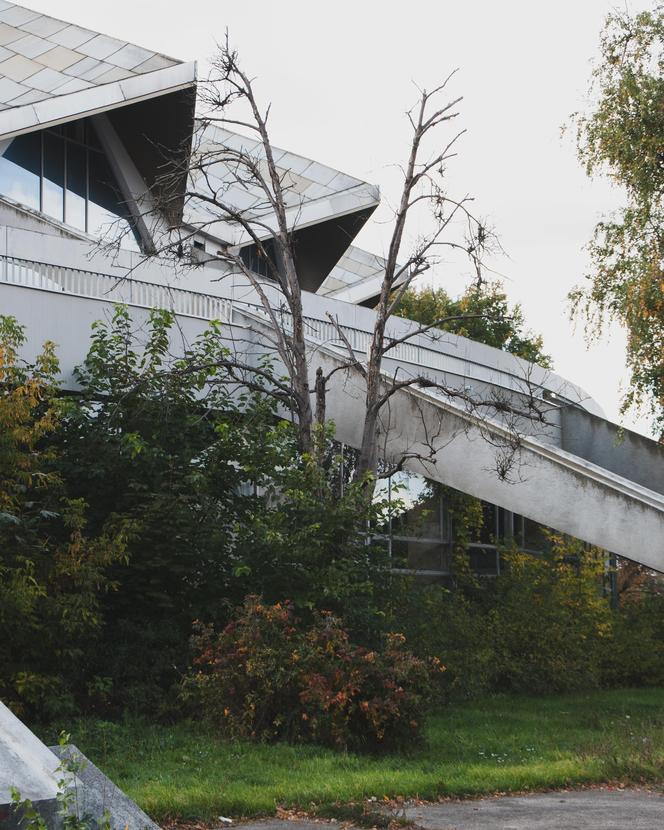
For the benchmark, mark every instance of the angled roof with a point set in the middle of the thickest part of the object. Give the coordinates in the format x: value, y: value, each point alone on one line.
x: 313, y: 192
x: 357, y: 277
x: 53, y: 71
x: 356, y: 267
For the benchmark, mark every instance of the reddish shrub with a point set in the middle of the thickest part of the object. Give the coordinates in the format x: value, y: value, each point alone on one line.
x: 268, y: 676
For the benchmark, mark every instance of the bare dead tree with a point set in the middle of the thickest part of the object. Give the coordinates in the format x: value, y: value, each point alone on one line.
x: 423, y: 182
x: 268, y: 223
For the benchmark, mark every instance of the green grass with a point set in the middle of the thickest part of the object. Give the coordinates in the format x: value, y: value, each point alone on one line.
x: 498, y: 744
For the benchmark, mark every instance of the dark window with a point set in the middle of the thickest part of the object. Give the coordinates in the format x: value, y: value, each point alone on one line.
x: 484, y: 561
x: 488, y: 531
x: 529, y: 535
x: 64, y: 173
x: 416, y: 555
x: 254, y: 260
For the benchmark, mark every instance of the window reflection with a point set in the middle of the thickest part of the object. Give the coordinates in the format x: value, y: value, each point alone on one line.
x: 20, y: 170
x: 420, y: 534
x: 64, y: 173
x: 53, y: 185
x: 77, y: 187
x: 106, y: 207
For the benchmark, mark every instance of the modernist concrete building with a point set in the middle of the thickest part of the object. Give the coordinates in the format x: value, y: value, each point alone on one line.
x: 85, y: 123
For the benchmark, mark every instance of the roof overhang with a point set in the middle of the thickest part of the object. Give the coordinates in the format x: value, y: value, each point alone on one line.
x: 152, y: 113
x: 304, y: 214
x: 358, y: 278
x: 103, y: 98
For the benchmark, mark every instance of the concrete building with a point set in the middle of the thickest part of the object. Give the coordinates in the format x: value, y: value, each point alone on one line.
x: 86, y: 124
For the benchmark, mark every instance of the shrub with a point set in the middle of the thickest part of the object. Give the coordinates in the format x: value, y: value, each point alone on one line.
x: 634, y: 654
x: 549, y: 619
x: 437, y: 620
x: 268, y: 676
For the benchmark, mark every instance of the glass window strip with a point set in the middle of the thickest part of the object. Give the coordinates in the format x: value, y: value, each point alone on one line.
x: 54, y: 204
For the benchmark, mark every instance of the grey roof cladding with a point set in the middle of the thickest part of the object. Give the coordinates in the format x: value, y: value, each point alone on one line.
x: 41, y: 56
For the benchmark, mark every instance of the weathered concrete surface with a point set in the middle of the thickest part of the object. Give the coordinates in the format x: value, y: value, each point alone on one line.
x: 584, y: 810
x: 99, y: 794
x: 625, y: 453
x: 27, y: 765
x: 35, y: 771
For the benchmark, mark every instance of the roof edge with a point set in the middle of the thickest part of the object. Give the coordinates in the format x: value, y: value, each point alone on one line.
x: 60, y: 108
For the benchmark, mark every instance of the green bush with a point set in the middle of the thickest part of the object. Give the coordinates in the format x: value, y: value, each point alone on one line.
x: 437, y: 620
x: 268, y: 676
x: 55, y: 570
x: 549, y: 619
x: 221, y: 504
x: 634, y: 654
x: 543, y: 625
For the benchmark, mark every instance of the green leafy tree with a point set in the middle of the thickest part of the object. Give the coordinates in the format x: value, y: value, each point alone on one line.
x: 53, y: 568
x: 481, y: 313
x: 221, y: 501
x: 622, y: 136
x: 165, y: 445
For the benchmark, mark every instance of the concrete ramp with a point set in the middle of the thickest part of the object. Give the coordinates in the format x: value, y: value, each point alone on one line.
x: 576, y: 472
x: 567, y: 491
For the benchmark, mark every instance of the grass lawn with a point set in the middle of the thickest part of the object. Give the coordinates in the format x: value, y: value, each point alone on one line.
x: 498, y: 744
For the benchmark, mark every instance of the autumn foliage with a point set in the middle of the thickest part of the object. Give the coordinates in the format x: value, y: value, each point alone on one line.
x: 268, y: 675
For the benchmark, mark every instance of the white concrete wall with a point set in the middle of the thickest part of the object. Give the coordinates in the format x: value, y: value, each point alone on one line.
x: 548, y: 486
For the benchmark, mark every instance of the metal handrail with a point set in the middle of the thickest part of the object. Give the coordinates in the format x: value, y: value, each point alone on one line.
x: 135, y: 292
x: 94, y: 285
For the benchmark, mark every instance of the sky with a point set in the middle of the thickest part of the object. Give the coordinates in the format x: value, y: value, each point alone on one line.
x: 340, y: 77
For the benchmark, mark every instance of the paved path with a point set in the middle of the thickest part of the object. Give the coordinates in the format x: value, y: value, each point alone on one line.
x: 582, y: 810
x: 600, y: 809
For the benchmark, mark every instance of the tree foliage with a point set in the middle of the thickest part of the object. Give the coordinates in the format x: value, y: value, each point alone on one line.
x: 481, y: 313
x: 220, y: 500
x: 622, y: 136
x: 53, y: 568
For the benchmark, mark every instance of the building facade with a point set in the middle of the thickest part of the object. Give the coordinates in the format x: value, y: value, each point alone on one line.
x: 89, y: 123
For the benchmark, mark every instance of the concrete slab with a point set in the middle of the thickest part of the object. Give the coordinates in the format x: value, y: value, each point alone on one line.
x: 99, y: 794
x: 35, y: 770
x: 601, y: 809
x: 25, y: 763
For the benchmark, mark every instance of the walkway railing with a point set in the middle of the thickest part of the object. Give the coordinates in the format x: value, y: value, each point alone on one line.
x: 81, y: 283
x: 99, y: 286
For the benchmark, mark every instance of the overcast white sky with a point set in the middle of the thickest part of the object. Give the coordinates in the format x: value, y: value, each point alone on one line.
x: 339, y: 76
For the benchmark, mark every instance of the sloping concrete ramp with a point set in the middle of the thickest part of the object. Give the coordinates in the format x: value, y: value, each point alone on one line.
x: 578, y: 473
x: 548, y: 484
x: 585, y: 493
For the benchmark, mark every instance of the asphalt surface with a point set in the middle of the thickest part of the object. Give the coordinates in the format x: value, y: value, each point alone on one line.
x: 597, y: 809
x: 582, y: 810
